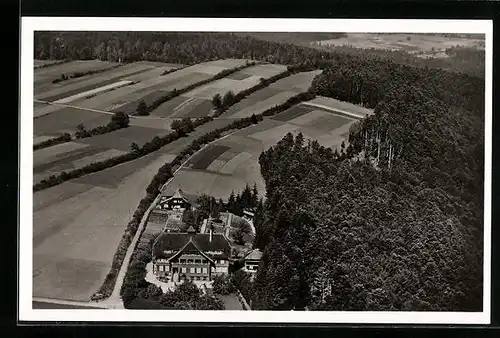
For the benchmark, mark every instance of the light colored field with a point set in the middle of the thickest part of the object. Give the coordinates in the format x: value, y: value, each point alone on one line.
x: 94, y: 91
x: 419, y: 44
x: 79, y: 233
x: 153, y: 73
x: 264, y: 70
x: 227, y: 63
x: 299, y: 82
x: 179, y: 79
x: 45, y: 109
x: 336, y: 106
x: 272, y: 136
x: 231, y: 166
x: 216, y: 165
x: 51, y: 153
x: 261, y: 106
x: 307, y: 118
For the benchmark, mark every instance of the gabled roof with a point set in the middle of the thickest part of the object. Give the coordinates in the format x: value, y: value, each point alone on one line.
x: 178, y: 194
x: 174, y: 242
x: 255, y: 254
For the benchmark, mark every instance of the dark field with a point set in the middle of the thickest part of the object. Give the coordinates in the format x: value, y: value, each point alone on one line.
x: 203, y: 159
x: 292, y: 113
x: 65, y: 159
x: 200, y: 108
x: 328, y: 122
x: 66, y: 119
x: 238, y: 76
x: 89, y: 87
x: 122, y: 139
x: 131, y: 107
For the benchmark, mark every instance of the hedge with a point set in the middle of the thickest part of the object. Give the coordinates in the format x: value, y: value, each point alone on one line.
x: 53, y: 141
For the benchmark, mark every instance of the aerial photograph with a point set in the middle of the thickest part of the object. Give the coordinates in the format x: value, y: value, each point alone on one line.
x: 258, y: 171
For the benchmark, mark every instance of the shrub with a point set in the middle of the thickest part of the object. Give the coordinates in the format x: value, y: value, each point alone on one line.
x: 223, y: 285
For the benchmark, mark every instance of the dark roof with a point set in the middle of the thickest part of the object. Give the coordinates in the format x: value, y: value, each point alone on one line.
x: 254, y: 255
x: 176, y: 241
x: 191, y: 199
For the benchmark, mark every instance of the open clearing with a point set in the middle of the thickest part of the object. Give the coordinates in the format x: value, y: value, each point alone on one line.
x: 77, y: 227
x: 423, y: 45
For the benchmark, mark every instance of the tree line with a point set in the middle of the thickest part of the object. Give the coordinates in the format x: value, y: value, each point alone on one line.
x: 192, y: 48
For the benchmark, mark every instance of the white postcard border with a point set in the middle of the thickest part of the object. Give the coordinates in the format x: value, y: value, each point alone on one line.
x: 31, y: 24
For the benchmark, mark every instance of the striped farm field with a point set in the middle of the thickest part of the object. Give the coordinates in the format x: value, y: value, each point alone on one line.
x: 236, y: 82
x: 78, y: 224
x: 75, y: 160
x: 48, y: 74
x: 74, y: 86
x: 203, y: 159
x: 56, y: 152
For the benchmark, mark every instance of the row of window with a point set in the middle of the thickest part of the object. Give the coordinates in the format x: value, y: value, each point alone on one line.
x: 198, y: 261
x: 193, y: 261
x: 166, y: 268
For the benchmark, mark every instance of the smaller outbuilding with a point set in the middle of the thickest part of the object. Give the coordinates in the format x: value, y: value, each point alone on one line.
x: 252, y: 260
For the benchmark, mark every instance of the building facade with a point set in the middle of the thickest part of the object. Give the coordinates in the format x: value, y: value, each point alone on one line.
x: 252, y: 260
x: 178, y: 202
x: 192, y: 256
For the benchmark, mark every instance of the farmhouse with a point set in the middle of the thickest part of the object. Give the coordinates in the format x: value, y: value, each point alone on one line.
x: 190, y: 255
x: 179, y: 201
x: 252, y: 260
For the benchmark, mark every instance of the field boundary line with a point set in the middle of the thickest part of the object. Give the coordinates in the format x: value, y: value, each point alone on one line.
x: 91, y: 109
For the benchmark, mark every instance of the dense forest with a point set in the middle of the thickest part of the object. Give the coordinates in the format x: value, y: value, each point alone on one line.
x: 393, y: 223
x: 190, y: 48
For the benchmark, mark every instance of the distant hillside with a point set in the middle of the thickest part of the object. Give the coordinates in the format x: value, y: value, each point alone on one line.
x: 190, y: 48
